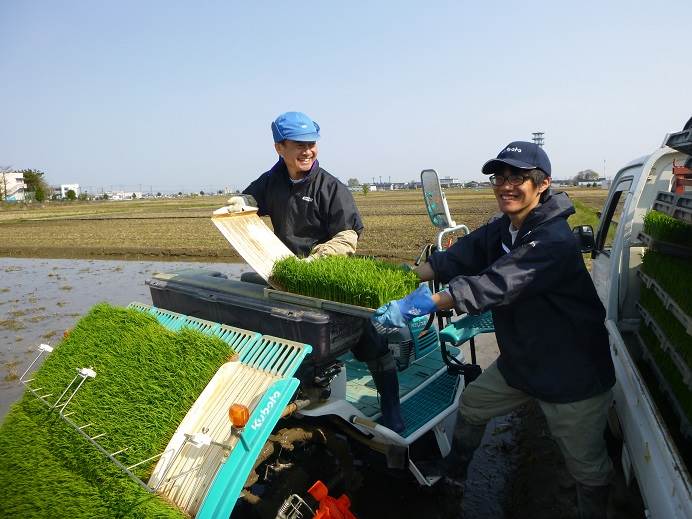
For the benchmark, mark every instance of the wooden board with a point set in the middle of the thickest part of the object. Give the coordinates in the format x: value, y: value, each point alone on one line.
x: 252, y: 239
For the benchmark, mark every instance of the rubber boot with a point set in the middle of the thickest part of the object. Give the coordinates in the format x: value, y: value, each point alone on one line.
x: 592, y: 502
x: 384, y: 374
x: 466, y: 439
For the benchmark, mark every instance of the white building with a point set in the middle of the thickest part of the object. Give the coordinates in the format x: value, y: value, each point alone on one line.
x: 64, y: 188
x: 12, y: 186
x: 124, y: 195
x: 592, y: 183
x: 449, y: 182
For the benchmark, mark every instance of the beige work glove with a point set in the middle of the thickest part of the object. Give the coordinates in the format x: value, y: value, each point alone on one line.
x: 343, y: 243
x: 238, y: 204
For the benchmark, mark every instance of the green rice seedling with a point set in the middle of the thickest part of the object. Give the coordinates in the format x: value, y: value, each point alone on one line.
x: 668, y: 323
x: 358, y: 281
x: 662, y: 227
x: 673, y: 274
x: 668, y: 369
x: 147, y: 378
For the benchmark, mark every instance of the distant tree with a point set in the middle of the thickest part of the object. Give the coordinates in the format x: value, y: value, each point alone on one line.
x: 586, y: 175
x: 180, y: 193
x: 34, y: 179
x: 71, y: 195
x: 366, y: 189
x: 219, y: 192
x: 353, y: 182
x: 39, y: 194
x: 158, y: 194
x: 201, y: 193
x: 134, y: 196
x: 104, y: 196
x: 83, y: 196
x: 4, y: 171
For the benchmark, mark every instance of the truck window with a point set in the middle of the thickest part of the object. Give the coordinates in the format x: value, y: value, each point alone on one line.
x: 612, y: 216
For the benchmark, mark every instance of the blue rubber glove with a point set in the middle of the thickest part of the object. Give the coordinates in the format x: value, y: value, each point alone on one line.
x: 396, y: 314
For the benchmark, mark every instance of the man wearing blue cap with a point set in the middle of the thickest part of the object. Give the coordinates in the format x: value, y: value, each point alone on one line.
x: 315, y: 215
x: 311, y: 211
x: 525, y: 265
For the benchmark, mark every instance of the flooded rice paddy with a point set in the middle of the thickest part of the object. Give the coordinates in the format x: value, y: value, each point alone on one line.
x: 41, y: 298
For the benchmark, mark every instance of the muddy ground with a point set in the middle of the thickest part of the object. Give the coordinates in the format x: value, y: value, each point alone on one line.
x: 517, y: 473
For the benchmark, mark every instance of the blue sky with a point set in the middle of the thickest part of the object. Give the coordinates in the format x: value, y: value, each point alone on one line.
x: 180, y: 95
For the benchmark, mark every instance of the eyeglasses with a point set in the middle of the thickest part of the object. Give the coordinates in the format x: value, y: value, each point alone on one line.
x: 514, y: 179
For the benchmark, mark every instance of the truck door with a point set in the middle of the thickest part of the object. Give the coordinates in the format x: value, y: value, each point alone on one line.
x: 608, y: 229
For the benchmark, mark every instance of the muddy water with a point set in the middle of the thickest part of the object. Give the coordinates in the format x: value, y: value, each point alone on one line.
x: 41, y: 298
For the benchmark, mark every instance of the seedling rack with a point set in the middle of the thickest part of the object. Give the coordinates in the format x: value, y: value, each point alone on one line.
x: 664, y: 385
x: 668, y: 234
x: 667, y: 301
x: 666, y: 346
x: 676, y: 205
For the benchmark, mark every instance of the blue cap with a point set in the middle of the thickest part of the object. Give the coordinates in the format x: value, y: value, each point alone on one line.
x: 295, y: 126
x: 520, y: 154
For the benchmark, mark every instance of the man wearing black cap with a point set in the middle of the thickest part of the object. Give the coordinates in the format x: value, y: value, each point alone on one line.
x: 525, y: 266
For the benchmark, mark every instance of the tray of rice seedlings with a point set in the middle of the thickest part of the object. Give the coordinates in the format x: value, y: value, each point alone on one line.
x: 356, y: 284
x: 667, y: 234
x: 669, y: 379
x: 671, y: 278
x: 671, y: 332
x: 146, y: 379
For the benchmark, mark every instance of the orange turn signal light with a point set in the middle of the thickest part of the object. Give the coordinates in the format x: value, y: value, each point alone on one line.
x: 239, y: 415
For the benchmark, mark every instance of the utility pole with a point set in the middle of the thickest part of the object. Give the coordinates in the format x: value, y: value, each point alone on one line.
x: 538, y: 138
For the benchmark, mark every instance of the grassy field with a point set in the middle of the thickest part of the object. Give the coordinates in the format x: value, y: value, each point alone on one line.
x: 396, y: 226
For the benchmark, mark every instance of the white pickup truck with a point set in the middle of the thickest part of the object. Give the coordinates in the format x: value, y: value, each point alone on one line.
x: 653, y: 426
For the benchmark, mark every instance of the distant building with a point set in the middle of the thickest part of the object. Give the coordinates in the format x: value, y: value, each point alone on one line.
x: 12, y: 186
x: 124, y: 195
x: 64, y: 188
x: 599, y: 182
x: 449, y: 182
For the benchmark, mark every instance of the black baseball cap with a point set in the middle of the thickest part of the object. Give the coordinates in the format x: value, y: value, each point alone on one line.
x: 520, y: 154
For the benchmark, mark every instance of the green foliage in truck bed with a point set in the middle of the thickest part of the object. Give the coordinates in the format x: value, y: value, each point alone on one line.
x: 146, y: 380
x: 668, y: 323
x: 668, y: 369
x: 662, y: 227
x: 673, y: 274
x: 354, y: 280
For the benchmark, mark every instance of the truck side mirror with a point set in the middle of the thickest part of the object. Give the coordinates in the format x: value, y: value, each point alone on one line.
x: 585, y: 237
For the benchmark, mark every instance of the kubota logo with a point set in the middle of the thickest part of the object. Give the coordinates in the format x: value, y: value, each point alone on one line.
x: 257, y: 422
x: 518, y: 150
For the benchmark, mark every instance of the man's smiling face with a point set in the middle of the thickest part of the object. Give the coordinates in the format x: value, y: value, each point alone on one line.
x: 517, y: 195
x: 298, y: 156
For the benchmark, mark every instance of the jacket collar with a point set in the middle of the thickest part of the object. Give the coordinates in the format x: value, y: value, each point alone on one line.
x: 555, y: 205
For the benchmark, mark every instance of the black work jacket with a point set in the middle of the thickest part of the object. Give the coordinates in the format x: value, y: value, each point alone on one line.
x: 307, y: 213
x: 549, y: 321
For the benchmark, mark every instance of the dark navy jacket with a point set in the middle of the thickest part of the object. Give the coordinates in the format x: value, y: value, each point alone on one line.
x: 308, y: 213
x: 549, y: 322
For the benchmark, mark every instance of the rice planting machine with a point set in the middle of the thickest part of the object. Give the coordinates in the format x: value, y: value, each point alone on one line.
x: 328, y: 399
x: 278, y: 427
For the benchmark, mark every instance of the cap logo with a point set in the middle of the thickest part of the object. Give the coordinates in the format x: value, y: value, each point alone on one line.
x: 518, y: 150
